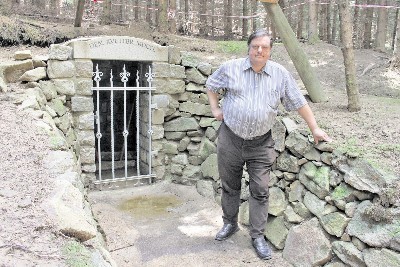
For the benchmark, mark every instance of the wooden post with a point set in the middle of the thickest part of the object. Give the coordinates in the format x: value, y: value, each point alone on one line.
x: 295, y: 52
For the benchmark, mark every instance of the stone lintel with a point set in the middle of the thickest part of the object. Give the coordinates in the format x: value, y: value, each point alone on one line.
x: 118, y: 48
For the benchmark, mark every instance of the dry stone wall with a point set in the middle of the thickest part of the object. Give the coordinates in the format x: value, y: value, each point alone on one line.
x: 51, y: 103
x: 327, y: 208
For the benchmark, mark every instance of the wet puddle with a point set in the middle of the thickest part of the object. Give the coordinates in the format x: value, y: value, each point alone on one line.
x: 145, y: 207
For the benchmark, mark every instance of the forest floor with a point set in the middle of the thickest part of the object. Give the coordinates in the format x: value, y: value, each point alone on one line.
x: 26, y: 238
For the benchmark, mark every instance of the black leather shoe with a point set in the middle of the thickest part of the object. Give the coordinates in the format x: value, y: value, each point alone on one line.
x: 226, y: 231
x: 262, y: 248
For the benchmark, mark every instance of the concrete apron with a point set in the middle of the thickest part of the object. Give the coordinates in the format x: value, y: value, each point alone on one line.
x: 167, y: 224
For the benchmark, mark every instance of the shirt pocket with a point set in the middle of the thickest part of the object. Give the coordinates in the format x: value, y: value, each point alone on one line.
x: 273, y: 99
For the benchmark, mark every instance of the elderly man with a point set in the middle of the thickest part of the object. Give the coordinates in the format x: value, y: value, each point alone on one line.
x: 254, y: 87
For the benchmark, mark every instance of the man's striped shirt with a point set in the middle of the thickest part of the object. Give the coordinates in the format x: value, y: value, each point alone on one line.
x: 251, y: 99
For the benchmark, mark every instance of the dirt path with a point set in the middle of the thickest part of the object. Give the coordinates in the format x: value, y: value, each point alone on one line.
x: 179, y: 232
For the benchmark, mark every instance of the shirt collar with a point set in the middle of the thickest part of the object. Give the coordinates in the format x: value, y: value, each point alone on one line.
x: 247, y: 65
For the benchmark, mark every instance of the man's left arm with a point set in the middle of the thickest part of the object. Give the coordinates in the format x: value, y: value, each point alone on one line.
x: 318, y: 134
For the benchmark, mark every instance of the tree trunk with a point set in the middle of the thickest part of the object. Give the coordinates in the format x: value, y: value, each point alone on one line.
x: 396, y: 24
x: 79, y: 13
x: 334, y: 23
x: 181, y: 5
x: 228, y: 20
x: 246, y: 12
x: 121, y: 11
x: 348, y: 56
x: 381, y: 27
x: 273, y: 31
x: 203, y: 18
x: 295, y: 52
x: 162, y: 15
x: 312, y: 23
x: 186, y: 10
x: 300, y: 19
x: 156, y: 12
x: 395, y: 61
x: 148, y: 12
x: 357, y: 28
x: 106, y: 16
x: 54, y: 8
x: 172, y: 16
x: 268, y: 25
x: 213, y: 18
x: 368, y: 26
x: 288, y: 12
x: 15, y: 6
x: 40, y: 5
x: 293, y: 14
x: 329, y: 8
x: 254, y: 12
x: 321, y: 17
x: 137, y: 10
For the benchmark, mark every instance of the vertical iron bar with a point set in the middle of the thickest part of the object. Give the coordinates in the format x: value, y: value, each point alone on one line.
x: 124, y: 78
x: 112, y: 125
x: 137, y: 125
x: 98, y: 132
x: 150, y: 131
x: 97, y: 78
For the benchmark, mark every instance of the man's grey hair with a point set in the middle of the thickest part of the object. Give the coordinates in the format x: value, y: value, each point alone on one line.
x: 260, y: 33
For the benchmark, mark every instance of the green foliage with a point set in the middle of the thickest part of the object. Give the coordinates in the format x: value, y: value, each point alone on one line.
x: 77, y: 255
x: 232, y: 47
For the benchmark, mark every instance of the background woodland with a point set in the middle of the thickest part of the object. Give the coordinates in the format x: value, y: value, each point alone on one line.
x: 375, y: 22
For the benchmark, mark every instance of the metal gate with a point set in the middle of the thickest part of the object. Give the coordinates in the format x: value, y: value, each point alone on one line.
x: 141, y: 102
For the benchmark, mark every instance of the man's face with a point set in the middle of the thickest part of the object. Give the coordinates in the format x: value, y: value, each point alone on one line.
x: 260, y: 50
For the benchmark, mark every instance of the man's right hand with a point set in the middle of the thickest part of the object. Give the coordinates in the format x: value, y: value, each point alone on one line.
x: 217, y: 113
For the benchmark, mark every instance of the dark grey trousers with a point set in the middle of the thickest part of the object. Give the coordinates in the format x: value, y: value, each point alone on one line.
x: 258, y: 154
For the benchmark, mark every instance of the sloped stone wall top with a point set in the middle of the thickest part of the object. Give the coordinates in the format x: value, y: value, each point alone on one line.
x: 118, y: 48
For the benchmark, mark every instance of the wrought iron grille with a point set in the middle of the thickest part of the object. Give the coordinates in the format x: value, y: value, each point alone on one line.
x: 113, y: 176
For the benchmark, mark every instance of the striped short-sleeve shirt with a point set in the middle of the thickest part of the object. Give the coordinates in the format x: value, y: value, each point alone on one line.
x: 251, y: 99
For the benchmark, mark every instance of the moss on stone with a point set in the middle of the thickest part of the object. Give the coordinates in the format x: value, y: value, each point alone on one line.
x: 76, y: 255
x: 321, y: 177
x: 341, y: 192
